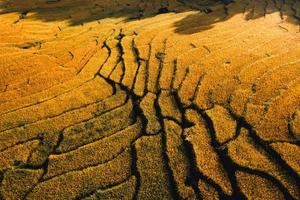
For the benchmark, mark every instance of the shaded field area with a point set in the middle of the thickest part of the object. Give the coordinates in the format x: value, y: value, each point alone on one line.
x: 140, y: 99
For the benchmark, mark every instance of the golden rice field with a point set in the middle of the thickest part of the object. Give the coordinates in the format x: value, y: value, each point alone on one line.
x: 149, y: 99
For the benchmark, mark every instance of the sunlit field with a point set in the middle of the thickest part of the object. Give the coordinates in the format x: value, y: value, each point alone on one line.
x: 149, y: 99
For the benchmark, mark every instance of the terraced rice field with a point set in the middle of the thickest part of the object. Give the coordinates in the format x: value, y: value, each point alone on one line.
x: 149, y: 99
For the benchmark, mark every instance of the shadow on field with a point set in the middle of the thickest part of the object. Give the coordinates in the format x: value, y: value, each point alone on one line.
x: 249, y: 9
x: 210, y: 11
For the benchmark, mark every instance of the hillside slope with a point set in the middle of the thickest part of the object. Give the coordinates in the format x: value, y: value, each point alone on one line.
x: 129, y: 99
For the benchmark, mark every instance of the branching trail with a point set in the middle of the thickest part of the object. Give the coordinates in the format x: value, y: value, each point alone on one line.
x: 162, y: 99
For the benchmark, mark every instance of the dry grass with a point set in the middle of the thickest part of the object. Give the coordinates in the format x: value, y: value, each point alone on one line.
x: 134, y: 99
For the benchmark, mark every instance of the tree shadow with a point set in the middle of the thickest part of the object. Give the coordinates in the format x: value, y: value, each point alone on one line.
x: 82, y: 11
x: 249, y: 9
x: 77, y: 12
